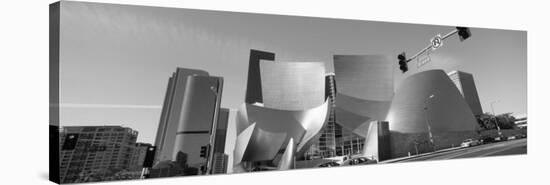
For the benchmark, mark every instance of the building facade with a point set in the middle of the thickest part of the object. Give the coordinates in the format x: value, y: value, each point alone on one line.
x: 192, y: 109
x: 427, y: 113
x: 293, y: 112
x: 467, y: 87
x: 138, y: 157
x: 365, y: 90
x: 326, y: 146
x: 199, y: 119
x: 171, y: 112
x: 94, y: 153
x: 363, y: 95
x: 219, y: 164
x: 292, y: 85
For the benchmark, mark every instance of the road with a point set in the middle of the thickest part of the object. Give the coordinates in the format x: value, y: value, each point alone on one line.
x: 512, y: 147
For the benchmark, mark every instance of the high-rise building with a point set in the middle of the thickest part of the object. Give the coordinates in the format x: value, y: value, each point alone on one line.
x: 467, y: 87
x: 90, y: 153
x: 171, y: 112
x: 190, y: 121
x: 219, y: 164
x: 195, y: 134
x: 254, y: 83
x: 140, y: 151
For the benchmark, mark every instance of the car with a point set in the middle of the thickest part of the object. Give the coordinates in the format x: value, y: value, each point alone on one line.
x: 511, y: 138
x: 469, y: 143
x: 500, y: 138
x: 329, y: 164
x: 358, y: 161
x: 487, y: 139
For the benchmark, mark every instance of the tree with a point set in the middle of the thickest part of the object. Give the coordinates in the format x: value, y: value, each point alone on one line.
x: 488, y: 121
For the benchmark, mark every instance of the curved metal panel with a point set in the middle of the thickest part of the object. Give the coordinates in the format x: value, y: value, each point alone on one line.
x: 242, y: 143
x: 287, y: 160
x: 370, y: 148
x: 367, y: 77
x: 292, y: 85
x: 365, y: 90
x: 242, y: 119
x: 264, y: 145
x: 446, y: 110
x: 310, y: 122
x: 273, y: 128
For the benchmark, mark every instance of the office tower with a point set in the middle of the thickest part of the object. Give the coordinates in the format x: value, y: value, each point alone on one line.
x: 199, y: 118
x: 220, y: 163
x: 93, y: 153
x: 138, y: 157
x: 171, y: 112
x: 467, y: 87
x: 220, y: 160
x: 428, y: 108
x: 254, y: 83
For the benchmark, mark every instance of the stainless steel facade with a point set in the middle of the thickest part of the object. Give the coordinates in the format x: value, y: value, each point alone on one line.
x: 467, y: 87
x: 294, y: 111
x: 292, y: 85
x: 365, y: 90
x: 413, y: 111
x: 264, y: 133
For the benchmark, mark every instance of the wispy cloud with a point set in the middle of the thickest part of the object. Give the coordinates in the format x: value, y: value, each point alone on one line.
x: 121, y: 106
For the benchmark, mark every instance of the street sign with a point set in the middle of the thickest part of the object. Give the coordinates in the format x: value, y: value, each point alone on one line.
x: 437, y: 42
x: 423, y: 59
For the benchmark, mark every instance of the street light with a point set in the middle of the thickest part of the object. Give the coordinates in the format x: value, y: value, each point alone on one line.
x: 428, y: 121
x: 495, y: 116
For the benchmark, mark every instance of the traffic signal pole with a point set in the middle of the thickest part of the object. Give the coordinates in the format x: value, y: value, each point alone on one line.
x: 431, y: 45
x: 435, y: 42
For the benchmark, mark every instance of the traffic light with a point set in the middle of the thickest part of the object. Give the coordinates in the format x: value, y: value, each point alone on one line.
x: 149, y: 157
x: 463, y: 33
x: 403, y: 62
x: 204, y: 151
x: 70, y: 142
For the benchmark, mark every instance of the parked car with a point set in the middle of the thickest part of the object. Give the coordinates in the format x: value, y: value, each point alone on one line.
x: 500, y: 138
x: 486, y: 139
x: 358, y: 161
x: 469, y: 143
x: 329, y: 164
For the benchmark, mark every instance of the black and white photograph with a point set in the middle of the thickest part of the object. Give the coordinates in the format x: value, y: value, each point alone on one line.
x: 149, y: 92
x: 144, y: 93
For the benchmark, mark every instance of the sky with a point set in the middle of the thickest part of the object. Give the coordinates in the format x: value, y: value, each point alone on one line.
x: 115, y: 60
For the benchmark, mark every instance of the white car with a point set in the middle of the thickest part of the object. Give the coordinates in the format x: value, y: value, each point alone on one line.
x: 469, y: 143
